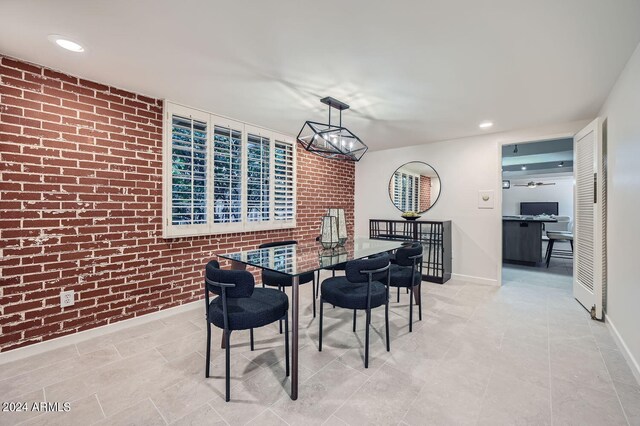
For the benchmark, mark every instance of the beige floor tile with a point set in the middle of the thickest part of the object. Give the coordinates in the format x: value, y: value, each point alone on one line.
x: 630, y: 398
x: 117, y: 373
x: 510, y: 400
x: 142, y: 413
x: 148, y: 341
x: 44, y: 376
x: 204, y: 415
x: 24, y: 412
x: 82, y: 412
x: 575, y: 404
x: 26, y: 365
x: 383, y: 399
x: 143, y: 384
x: 267, y: 418
x: 321, y: 395
x: 109, y: 339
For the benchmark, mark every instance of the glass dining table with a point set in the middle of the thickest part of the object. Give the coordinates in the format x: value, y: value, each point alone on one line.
x: 298, y: 259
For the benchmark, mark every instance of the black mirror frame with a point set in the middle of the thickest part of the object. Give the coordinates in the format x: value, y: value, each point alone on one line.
x: 409, y: 162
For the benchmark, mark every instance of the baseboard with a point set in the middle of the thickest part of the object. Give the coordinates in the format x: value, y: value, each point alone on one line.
x: 70, y: 339
x: 476, y: 280
x: 631, y: 360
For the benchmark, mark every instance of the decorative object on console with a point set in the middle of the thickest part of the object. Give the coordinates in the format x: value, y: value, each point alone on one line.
x: 329, y: 140
x: 342, y: 224
x: 410, y: 216
x: 329, y: 232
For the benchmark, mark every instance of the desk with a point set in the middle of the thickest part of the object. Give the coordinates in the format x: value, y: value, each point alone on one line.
x: 297, y: 259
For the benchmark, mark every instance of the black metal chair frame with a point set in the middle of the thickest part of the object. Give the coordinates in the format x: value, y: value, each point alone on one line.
x: 227, y: 333
x: 560, y: 253
x: 369, y: 274
x: 410, y: 289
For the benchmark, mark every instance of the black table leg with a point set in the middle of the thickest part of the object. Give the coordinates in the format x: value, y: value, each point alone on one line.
x: 295, y: 290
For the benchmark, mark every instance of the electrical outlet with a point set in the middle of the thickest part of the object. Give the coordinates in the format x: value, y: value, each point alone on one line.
x: 67, y: 298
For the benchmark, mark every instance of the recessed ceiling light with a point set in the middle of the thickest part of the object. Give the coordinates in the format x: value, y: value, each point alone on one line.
x: 524, y: 167
x: 485, y: 124
x: 65, y: 43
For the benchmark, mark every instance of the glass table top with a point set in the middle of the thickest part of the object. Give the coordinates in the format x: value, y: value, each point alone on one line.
x: 298, y: 259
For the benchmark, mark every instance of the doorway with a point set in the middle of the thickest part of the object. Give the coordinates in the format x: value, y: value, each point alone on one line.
x: 538, y: 196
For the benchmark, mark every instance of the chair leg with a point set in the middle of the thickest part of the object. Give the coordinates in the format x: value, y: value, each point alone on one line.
x: 317, y: 284
x: 550, y: 252
x: 313, y: 289
x: 420, y: 304
x: 280, y: 321
x: 398, y: 301
x: 571, y: 242
x: 320, y: 327
x: 286, y: 342
x: 227, y: 366
x: 354, y: 320
x: 208, y: 357
x: 411, y: 310
x: 366, y: 340
x: 251, y: 337
x: 386, y: 324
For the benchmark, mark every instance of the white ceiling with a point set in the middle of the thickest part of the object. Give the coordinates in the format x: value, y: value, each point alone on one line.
x: 413, y: 71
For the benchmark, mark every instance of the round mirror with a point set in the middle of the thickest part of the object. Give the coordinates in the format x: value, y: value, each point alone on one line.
x: 414, y: 188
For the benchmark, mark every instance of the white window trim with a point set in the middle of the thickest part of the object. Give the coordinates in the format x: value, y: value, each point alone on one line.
x: 211, y: 228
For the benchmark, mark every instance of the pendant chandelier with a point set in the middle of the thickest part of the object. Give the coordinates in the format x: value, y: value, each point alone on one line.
x: 329, y: 140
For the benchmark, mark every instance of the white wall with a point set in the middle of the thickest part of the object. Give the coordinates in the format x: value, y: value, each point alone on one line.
x: 465, y: 166
x: 622, y: 111
x: 562, y: 192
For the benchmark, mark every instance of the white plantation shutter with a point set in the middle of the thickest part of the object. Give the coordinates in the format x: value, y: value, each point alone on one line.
x: 258, y: 178
x: 223, y: 176
x: 227, y: 174
x: 284, y: 189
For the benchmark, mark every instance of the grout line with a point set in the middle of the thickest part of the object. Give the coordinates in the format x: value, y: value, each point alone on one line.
x: 100, y: 405
x: 156, y: 407
x: 624, y: 413
x: 276, y: 414
x: 217, y: 412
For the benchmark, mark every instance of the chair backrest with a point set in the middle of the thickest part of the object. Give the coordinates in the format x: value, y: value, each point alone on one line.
x: 404, y: 254
x: 354, y: 268
x: 277, y: 244
x: 243, y: 280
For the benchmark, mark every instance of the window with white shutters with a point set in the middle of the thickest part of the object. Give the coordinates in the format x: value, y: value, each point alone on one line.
x: 224, y: 176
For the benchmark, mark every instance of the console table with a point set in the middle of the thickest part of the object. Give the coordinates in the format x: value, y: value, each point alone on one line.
x: 435, y: 237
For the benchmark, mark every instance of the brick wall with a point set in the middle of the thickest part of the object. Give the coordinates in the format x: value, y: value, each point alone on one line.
x: 425, y: 193
x: 81, y: 207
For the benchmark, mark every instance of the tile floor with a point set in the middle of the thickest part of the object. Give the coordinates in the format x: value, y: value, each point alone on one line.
x: 525, y: 353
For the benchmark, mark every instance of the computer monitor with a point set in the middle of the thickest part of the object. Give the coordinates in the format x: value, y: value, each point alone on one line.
x: 535, y: 208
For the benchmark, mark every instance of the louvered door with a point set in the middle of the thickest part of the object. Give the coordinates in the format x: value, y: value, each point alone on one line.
x: 588, y: 229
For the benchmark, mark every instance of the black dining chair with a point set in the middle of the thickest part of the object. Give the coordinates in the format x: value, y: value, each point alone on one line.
x: 240, y: 306
x: 360, y: 289
x: 406, y: 272
x: 276, y: 279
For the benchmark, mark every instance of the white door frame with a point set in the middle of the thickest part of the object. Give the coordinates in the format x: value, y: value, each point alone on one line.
x: 532, y: 139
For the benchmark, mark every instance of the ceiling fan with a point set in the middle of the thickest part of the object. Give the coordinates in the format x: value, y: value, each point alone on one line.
x: 534, y: 184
